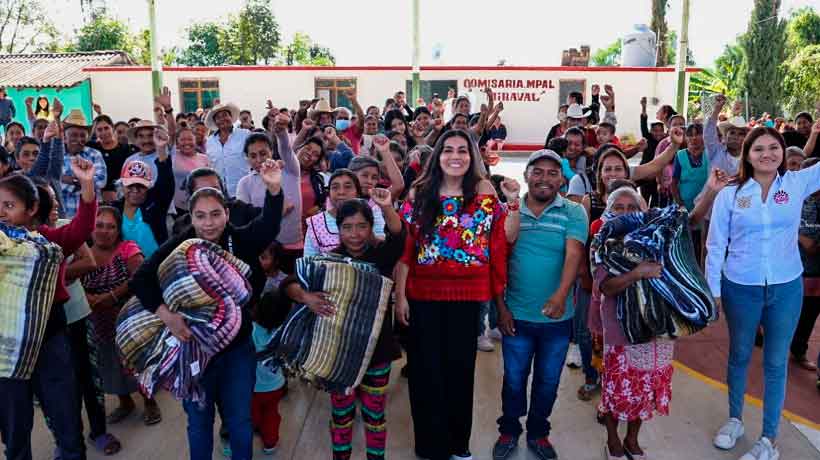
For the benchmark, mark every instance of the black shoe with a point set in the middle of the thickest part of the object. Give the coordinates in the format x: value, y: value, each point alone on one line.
x: 542, y: 448
x: 405, y: 371
x: 504, y: 446
x: 462, y: 456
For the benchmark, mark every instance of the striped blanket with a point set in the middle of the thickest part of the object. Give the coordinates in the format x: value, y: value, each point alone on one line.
x: 29, y: 267
x: 207, y: 286
x: 679, y: 303
x: 333, y: 353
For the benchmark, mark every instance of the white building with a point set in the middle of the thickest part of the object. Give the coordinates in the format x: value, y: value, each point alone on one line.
x: 531, y: 95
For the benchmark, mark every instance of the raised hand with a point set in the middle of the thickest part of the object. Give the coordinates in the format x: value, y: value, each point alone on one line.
x: 161, y: 138
x: 717, y: 180
x: 737, y: 108
x: 164, y: 98
x: 642, y: 144
x: 97, y: 108
x: 510, y: 188
x: 307, y: 124
x: 643, y: 103
x: 57, y: 108
x: 281, y: 122
x: 676, y: 135
x: 382, y: 143
x: 609, y: 91
x: 596, y: 90
x: 271, y: 173
x: 82, y: 169
x: 382, y: 197
x: 815, y: 128
x: 29, y: 101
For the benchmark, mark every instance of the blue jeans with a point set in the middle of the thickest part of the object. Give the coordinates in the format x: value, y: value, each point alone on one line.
x: 776, y: 308
x: 546, y: 345
x: 228, y: 382
x: 581, y: 332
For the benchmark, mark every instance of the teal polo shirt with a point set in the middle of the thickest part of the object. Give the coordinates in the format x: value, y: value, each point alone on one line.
x: 537, y: 258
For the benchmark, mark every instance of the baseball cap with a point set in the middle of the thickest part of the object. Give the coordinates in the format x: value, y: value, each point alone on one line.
x: 136, y: 172
x: 543, y: 154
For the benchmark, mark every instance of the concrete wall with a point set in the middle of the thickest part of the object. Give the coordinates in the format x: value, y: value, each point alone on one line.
x: 124, y: 93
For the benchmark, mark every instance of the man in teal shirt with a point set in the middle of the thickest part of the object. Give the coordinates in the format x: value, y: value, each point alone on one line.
x: 536, y: 313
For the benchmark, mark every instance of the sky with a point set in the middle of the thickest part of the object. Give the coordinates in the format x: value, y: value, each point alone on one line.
x: 467, y: 32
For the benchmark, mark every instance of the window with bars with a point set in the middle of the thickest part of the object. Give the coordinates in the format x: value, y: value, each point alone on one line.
x: 198, y: 93
x: 334, y: 89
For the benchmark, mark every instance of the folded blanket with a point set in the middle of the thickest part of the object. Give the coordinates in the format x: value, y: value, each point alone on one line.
x: 679, y: 303
x: 207, y: 286
x: 29, y: 267
x: 333, y: 352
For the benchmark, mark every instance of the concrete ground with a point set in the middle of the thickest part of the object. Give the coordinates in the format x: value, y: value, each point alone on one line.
x: 698, y: 410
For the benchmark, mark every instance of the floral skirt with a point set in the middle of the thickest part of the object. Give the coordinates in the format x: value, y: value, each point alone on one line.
x: 637, y: 380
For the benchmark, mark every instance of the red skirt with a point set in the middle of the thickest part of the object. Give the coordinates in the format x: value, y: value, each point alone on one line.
x: 637, y: 380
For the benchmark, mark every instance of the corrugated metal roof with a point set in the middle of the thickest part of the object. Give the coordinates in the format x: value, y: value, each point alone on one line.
x: 54, y: 70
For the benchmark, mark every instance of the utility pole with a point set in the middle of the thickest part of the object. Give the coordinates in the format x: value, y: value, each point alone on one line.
x: 156, y: 65
x: 683, y: 51
x: 416, y: 88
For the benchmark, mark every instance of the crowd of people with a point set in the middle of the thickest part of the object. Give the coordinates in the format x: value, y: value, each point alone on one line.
x: 409, y: 190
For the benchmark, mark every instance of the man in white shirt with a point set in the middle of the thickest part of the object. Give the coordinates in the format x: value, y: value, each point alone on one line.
x: 225, y: 147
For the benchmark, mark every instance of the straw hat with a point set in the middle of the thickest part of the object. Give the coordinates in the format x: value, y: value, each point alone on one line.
x: 76, y: 118
x: 321, y: 107
x: 229, y: 107
x: 733, y: 123
x: 142, y: 124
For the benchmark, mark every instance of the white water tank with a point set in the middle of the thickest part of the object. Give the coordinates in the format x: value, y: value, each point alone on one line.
x: 638, y: 48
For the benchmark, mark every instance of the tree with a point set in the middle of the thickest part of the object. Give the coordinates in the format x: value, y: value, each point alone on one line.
x: 802, y: 80
x: 609, y: 56
x: 764, y: 46
x: 303, y: 51
x: 24, y: 26
x: 803, y: 29
x: 660, y: 28
x: 206, y: 42
x: 253, y: 36
x: 104, y: 32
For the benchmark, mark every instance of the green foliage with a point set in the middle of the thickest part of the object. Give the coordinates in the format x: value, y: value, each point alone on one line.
x: 253, y: 36
x: 205, y: 45
x: 104, y: 32
x: 25, y: 27
x: 609, y: 56
x: 802, y: 80
x: 764, y: 46
x: 803, y: 29
x: 659, y: 26
x: 303, y: 51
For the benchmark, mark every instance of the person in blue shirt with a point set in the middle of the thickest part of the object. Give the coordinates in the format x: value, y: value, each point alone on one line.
x: 536, y: 313
x: 754, y: 270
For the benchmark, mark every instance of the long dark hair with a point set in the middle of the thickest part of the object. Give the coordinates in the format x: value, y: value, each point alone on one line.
x: 609, y: 150
x: 746, y: 170
x: 427, y: 204
x: 116, y: 214
x: 23, y: 189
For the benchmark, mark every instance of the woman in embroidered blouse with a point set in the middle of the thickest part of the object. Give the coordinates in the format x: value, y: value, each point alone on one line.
x: 754, y: 270
x: 322, y: 235
x: 637, y: 379
x: 455, y: 258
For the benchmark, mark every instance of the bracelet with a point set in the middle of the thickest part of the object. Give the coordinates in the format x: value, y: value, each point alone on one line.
x: 513, y: 205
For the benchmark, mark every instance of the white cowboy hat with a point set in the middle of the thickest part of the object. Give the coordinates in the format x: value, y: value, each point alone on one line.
x: 230, y: 107
x: 576, y: 111
x: 142, y: 124
x: 735, y: 122
x: 76, y: 118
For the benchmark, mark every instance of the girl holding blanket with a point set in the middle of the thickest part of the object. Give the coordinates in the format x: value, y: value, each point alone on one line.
x: 357, y: 240
x: 228, y: 380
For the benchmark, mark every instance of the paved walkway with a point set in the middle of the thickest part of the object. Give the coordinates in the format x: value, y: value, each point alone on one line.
x: 698, y: 409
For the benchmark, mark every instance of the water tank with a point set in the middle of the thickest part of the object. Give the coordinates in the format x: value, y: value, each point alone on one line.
x: 638, y: 49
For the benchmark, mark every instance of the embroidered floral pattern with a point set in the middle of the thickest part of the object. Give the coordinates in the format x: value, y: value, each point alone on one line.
x: 462, y: 232
x: 637, y: 380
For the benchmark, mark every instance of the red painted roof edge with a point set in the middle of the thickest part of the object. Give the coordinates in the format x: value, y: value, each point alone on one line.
x: 402, y: 68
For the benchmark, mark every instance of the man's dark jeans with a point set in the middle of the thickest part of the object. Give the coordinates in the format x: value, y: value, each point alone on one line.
x: 542, y: 347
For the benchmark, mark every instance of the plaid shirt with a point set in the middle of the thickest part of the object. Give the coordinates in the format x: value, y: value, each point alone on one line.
x: 71, y: 193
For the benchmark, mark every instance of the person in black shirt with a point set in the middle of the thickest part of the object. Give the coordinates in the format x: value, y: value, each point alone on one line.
x: 113, y: 151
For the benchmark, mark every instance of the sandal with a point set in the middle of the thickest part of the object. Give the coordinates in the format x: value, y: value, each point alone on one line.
x: 632, y: 456
x: 587, y: 391
x: 151, y: 415
x: 119, y: 414
x: 803, y: 362
x: 106, y: 443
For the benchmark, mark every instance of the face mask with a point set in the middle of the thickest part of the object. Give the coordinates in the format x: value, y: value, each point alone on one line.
x: 562, y: 117
x: 342, y: 125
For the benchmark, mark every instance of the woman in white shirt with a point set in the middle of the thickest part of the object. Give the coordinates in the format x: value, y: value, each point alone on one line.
x: 753, y: 267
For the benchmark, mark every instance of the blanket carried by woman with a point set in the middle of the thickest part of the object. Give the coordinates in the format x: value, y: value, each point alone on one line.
x: 29, y: 267
x: 333, y: 352
x: 207, y: 286
x: 679, y: 303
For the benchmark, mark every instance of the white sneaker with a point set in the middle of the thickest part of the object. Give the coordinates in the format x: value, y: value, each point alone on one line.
x: 495, y: 334
x: 762, y: 450
x: 485, y: 344
x: 573, y: 356
x: 728, y: 434
x: 464, y: 456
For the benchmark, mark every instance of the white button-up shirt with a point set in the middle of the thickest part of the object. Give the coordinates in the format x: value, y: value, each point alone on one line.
x: 228, y: 159
x: 761, y: 237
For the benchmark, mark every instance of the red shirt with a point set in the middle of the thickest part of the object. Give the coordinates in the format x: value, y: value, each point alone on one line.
x: 354, y: 137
